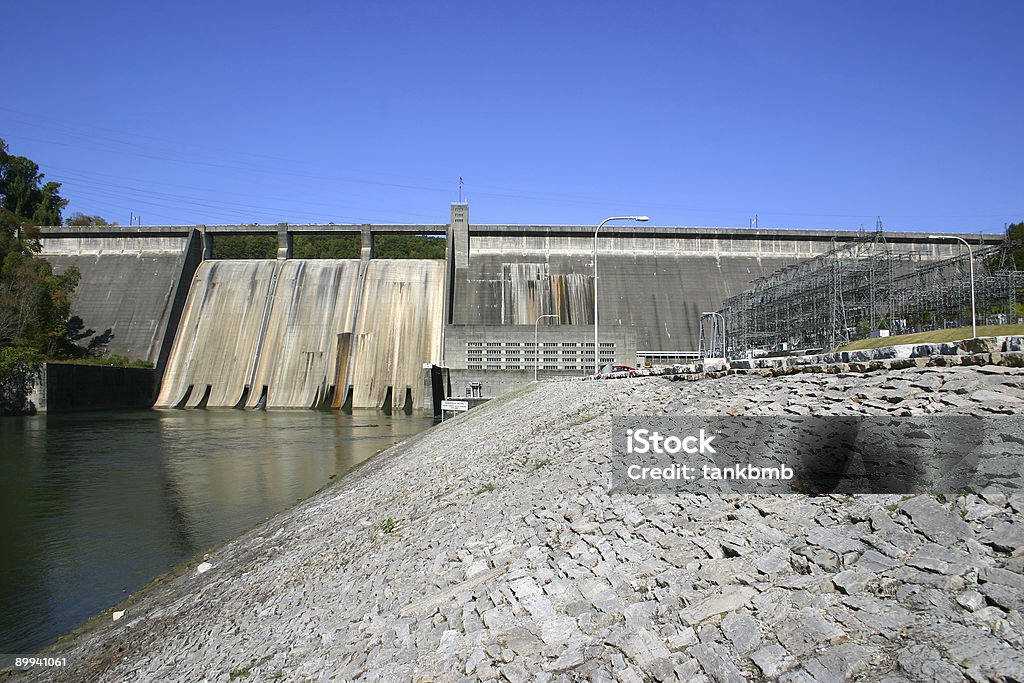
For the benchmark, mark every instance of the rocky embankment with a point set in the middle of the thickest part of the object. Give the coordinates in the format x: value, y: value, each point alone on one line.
x: 490, y: 548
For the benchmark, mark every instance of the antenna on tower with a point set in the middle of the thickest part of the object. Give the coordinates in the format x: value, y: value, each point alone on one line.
x: 461, y: 183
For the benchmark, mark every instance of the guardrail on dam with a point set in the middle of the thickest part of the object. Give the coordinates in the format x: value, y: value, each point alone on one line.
x: 309, y: 329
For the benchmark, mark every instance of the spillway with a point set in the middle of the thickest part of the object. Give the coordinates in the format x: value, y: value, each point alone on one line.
x: 306, y: 333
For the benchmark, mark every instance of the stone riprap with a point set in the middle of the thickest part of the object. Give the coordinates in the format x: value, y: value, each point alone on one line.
x: 489, y: 548
x: 1004, y: 350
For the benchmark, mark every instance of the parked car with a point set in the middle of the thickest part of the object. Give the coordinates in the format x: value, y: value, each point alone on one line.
x: 609, y: 368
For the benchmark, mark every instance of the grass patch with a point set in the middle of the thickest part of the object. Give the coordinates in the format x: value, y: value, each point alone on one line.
x: 114, y: 361
x: 388, y: 526
x: 505, y: 398
x: 486, y: 488
x: 245, y: 672
x: 934, y: 336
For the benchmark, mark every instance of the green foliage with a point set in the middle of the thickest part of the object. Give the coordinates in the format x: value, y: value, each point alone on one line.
x: 35, y: 303
x: 23, y: 195
x: 409, y: 246
x: 19, y: 369
x: 327, y: 246
x: 1015, y: 236
x: 115, y: 360
x: 245, y: 246
x: 934, y: 336
x: 82, y: 220
x: 388, y: 526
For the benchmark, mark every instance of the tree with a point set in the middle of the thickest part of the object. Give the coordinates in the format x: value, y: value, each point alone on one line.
x: 1015, y: 240
x: 23, y: 193
x: 35, y: 303
x: 409, y: 246
x: 82, y: 220
x: 245, y: 247
x: 327, y: 246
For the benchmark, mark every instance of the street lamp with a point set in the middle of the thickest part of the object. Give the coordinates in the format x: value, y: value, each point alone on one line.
x: 970, y: 257
x: 536, y: 349
x: 639, y: 219
x: 706, y: 313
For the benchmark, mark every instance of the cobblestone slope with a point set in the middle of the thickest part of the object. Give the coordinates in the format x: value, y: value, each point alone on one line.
x: 489, y: 548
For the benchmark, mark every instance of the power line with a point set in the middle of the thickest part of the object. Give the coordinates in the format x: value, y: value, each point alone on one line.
x: 119, y: 143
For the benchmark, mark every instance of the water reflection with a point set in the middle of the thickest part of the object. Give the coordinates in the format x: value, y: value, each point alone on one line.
x: 96, y: 505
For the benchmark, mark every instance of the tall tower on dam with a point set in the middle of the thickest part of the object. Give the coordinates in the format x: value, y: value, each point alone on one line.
x: 357, y: 332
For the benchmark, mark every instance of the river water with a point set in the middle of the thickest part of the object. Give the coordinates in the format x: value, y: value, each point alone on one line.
x: 95, y: 505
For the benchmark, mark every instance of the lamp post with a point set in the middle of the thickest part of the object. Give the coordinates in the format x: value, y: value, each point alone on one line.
x: 638, y: 219
x: 724, y: 352
x: 536, y: 349
x: 970, y: 258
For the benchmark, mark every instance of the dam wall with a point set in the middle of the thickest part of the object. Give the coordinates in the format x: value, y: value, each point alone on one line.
x: 71, y: 387
x: 398, y: 328
x: 133, y: 284
x: 354, y: 333
x: 299, y: 333
x: 658, y: 295
x: 654, y: 281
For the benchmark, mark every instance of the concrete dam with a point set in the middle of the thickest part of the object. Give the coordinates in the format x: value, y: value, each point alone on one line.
x: 133, y: 284
x: 290, y: 333
x: 655, y: 288
x: 359, y: 333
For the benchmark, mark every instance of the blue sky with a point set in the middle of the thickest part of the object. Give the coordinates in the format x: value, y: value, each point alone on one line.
x: 807, y: 114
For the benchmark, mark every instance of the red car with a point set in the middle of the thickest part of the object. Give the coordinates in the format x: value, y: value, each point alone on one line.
x: 608, y: 368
